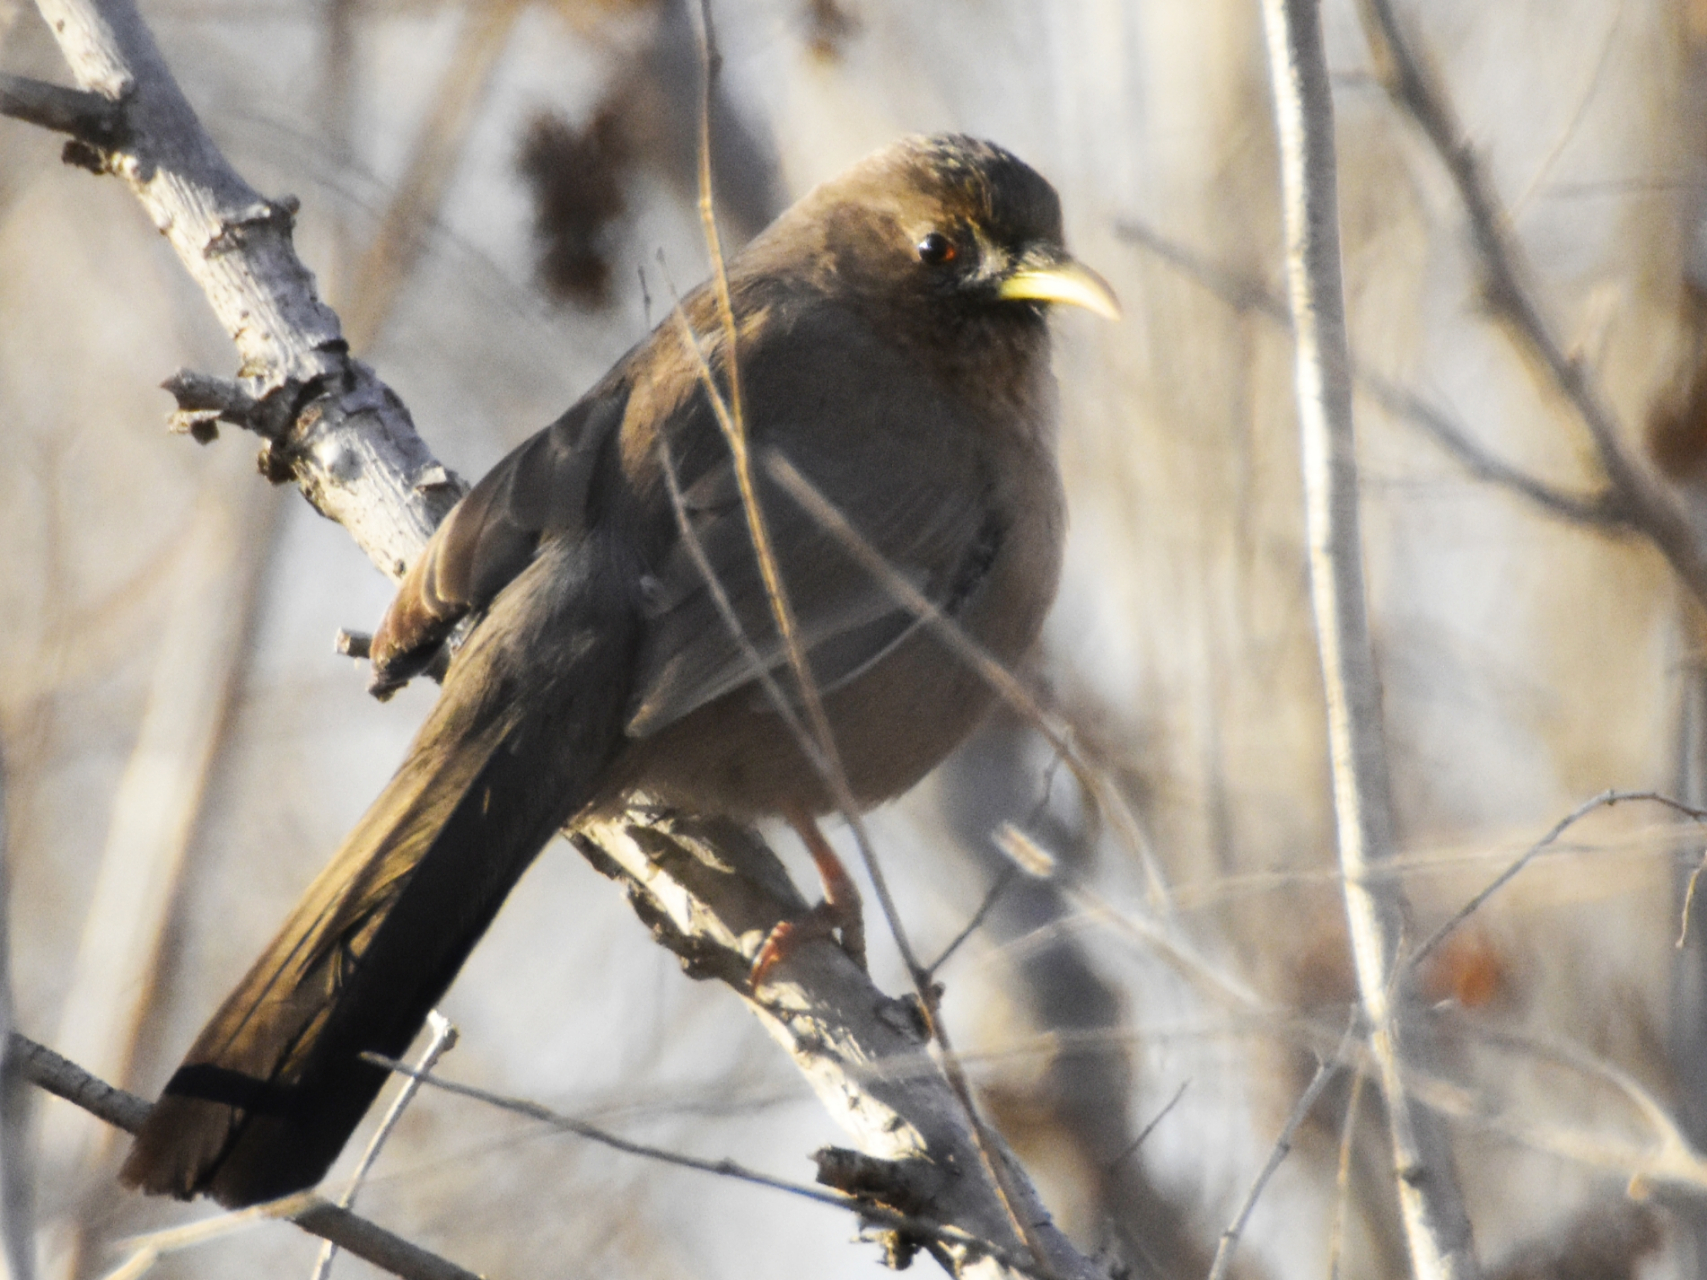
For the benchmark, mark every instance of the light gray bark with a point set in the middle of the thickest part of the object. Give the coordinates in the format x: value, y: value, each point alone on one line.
x: 1436, y: 1224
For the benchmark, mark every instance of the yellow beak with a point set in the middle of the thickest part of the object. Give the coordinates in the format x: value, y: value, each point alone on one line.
x: 1065, y: 281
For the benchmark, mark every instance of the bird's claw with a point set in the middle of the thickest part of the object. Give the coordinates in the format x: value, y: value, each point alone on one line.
x: 826, y: 920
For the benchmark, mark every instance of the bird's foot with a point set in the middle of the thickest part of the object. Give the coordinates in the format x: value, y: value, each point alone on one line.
x: 824, y: 921
x: 841, y: 912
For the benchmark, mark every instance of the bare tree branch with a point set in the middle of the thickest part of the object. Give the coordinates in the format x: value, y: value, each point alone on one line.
x: 1642, y: 499
x: 65, y: 1079
x: 1437, y: 1226
x: 909, y: 1224
x: 711, y: 892
x: 443, y: 1040
x: 1605, y: 800
x: 330, y: 424
x: 1602, y: 510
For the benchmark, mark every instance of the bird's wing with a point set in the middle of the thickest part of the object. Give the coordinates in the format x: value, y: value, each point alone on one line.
x: 537, y: 491
x: 930, y: 518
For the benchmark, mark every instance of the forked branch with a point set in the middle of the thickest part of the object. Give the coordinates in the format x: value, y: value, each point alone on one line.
x: 1507, y: 287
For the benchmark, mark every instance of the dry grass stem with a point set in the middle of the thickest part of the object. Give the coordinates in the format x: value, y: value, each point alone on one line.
x: 732, y: 423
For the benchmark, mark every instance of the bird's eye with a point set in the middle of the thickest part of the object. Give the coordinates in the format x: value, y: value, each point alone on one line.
x: 936, y: 249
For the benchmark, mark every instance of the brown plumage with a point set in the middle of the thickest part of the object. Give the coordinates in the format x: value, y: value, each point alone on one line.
x: 892, y: 347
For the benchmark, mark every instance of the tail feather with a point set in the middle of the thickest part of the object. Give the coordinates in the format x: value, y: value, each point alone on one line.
x: 528, y: 724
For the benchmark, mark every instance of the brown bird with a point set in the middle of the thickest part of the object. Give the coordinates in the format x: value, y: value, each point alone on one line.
x: 892, y: 347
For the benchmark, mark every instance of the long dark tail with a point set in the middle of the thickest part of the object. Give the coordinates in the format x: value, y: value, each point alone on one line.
x: 529, y: 721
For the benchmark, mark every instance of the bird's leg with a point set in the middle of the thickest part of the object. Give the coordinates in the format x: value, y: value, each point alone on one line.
x: 840, y: 911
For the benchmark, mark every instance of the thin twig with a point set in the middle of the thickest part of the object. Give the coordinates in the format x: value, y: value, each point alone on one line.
x: 720, y: 597
x: 730, y: 413
x: 1325, y: 1069
x: 1147, y: 1130
x: 146, y: 1250
x: 1437, y: 1227
x: 442, y: 1042
x: 1607, y: 44
x: 1008, y: 874
x: 810, y: 743
x: 723, y: 1168
x: 1001, y: 681
x: 65, y: 1079
x: 1605, y: 800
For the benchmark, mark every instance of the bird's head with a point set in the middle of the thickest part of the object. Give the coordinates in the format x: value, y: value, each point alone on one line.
x: 951, y: 228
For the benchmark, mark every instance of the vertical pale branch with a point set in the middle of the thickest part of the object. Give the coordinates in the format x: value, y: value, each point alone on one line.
x: 17, y: 1238
x: 1436, y: 1226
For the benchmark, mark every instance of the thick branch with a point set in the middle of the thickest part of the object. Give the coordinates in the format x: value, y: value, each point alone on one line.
x: 1436, y: 1225
x: 712, y: 892
x: 330, y: 424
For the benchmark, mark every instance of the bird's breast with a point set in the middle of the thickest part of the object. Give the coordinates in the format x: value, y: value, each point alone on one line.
x: 897, y: 719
